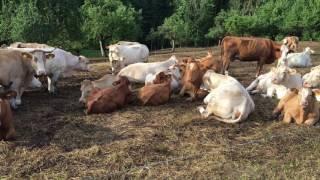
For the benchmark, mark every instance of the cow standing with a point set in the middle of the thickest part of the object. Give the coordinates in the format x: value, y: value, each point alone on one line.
x: 265, y: 51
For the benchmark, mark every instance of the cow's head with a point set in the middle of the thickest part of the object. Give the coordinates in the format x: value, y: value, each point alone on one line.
x: 39, y: 58
x: 307, y: 97
x: 121, y: 81
x: 309, y: 51
x: 281, y: 74
x: 312, y: 79
x: 86, y: 88
x: 82, y: 64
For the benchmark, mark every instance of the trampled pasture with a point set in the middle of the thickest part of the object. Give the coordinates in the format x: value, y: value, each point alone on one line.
x: 56, y: 140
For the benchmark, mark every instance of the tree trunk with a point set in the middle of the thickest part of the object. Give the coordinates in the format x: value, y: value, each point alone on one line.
x: 173, y: 45
x: 101, y: 43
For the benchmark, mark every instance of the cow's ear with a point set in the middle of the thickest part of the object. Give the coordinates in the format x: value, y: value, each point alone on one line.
x: 27, y: 55
x: 50, y: 56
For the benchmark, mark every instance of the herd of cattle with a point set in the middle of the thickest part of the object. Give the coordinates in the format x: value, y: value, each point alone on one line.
x: 225, y: 98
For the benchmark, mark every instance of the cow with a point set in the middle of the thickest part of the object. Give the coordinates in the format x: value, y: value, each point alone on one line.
x: 292, y: 42
x: 17, y: 69
x: 63, y: 64
x: 174, y: 71
x: 301, y: 59
x: 7, y: 130
x: 157, y: 93
x: 87, y: 86
x: 110, y: 99
x: 192, y: 79
x: 227, y: 101
x: 138, y: 72
x: 300, y: 106
x: 124, y: 53
x: 29, y: 45
x: 262, y: 50
x: 263, y: 84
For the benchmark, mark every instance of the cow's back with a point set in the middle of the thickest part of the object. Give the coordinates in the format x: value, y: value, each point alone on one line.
x: 11, y: 65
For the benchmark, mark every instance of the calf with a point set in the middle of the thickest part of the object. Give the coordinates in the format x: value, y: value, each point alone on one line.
x: 192, y: 79
x: 7, y: 130
x: 109, y: 99
x: 300, y: 106
x: 87, y: 86
x: 227, y: 101
x: 157, y: 93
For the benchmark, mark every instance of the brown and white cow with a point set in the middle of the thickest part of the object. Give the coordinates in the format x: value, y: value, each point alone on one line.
x: 262, y: 50
x: 7, y: 130
x: 109, y: 99
x: 157, y: 93
x: 300, y: 106
x: 17, y: 69
x: 209, y: 62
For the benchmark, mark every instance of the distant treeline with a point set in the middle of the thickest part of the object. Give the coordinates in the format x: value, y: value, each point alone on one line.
x: 78, y: 24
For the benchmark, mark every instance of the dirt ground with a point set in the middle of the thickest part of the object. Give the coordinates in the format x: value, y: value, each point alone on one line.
x: 56, y: 140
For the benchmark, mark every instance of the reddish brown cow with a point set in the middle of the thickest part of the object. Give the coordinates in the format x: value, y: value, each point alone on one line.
x: 192, y: 80
x: 157, y: 93
x: 7, y: 130
x: 265, y: 51
x: 109, y: 99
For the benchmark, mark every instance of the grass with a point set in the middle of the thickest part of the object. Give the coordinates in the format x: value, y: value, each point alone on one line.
x: 56, y: 140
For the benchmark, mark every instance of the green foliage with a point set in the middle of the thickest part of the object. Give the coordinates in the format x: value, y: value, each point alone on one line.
x: 110, y: 19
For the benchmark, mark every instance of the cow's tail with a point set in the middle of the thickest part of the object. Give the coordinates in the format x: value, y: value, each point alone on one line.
x: 230, y: 121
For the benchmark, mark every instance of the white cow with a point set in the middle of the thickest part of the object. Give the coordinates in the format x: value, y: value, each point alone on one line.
x: 263, y: 84
x: 124, y: 53
x: 63, y: 64
x: 174, y: 71
x: 228, y: 101
x: 138, y: 72
x: 301, y: 59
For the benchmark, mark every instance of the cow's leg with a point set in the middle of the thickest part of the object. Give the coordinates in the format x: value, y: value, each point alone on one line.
x: 225, y: 64
x: 182, y: 91
x: 287, y: 118
x: 311, y: 121
x: 260, y: 64
x: 52, y: 83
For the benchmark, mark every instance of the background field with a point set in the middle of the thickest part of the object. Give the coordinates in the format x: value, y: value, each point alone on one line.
x: 56, y: 140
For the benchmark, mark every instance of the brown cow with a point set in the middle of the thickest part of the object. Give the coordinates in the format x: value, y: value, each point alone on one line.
x: 300, y: 106
x: 109, y: 99
x: 265, y: 51
x: 7, y: 130
x: 192, y: 80
x: 157, y: 93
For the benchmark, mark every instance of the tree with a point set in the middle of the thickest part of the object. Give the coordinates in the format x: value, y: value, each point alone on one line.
x: 110, y: 20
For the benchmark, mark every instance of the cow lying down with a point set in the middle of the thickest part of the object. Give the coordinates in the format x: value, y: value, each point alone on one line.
x: 138, y: 72
x: 300, y: 106
x: 276, y: 82
x: 87, y: 86
x: 109, y: 99
x: 228, y: 101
